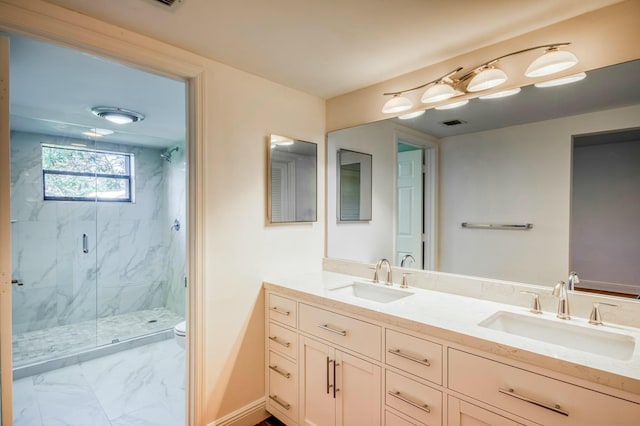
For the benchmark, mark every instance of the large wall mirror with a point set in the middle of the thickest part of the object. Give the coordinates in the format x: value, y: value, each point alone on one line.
x: 564, y: 159
x: 292, y: 180
x: 354, y: 186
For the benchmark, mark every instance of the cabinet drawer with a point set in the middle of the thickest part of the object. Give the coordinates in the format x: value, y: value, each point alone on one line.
x: 348, y: 332
x: 414, y: 355
x: 390, y: 419
x: 522, y: 392
x: 283, y: 386
x: 282, y: 310
x: 414, y: 399
x: 283, y: 340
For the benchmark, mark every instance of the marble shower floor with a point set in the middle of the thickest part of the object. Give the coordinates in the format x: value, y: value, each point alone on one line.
x: 137, y: 387
x: 40, y: 345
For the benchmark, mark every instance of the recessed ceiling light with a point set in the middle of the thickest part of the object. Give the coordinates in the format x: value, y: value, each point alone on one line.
x: 502, y: 94
x: 453, y: 105
x: 117, y: 115
x: 562, y: 80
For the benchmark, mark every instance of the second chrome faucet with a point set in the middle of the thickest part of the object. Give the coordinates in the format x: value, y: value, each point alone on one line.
x: 560, y: 291
x: 376, y: 275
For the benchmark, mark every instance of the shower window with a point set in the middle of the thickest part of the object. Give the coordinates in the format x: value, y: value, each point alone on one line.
x: 76, y: 174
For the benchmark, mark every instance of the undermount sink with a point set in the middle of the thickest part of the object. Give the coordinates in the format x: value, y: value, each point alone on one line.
x: 585, y: 339
x: 371, y: 292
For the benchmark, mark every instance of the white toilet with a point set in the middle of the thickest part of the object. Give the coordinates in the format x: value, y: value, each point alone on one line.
x: 180, y: 334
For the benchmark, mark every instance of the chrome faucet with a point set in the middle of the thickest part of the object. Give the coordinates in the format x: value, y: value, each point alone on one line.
x: 573, y: 279
x: 405, y: 258
x: 389, y: 279
x: 560, y: 291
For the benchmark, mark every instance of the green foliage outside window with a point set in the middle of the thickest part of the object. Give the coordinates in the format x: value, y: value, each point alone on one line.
x: 85, y: 175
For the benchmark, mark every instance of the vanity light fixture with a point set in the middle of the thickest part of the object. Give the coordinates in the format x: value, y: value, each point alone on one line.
x: 502, y: 94
x: 562, y: 80
x: 486, y: 78
x: 551, y: 62
x: 483, y: 77
x: 397, y: 103
x: 412, y: 115
x: 453, y: 105
x: 117, y: 115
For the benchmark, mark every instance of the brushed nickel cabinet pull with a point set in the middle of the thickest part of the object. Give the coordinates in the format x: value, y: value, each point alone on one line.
x: 282, y: 373
x: 333, y: 330
x: 555, y: 408
x: 280, y: 311
x: 275, y: 339
x: 328, y: 385
x: 409, y: 357
x: 335, y: 384
x: 278, y: 401
x: 418, y: 405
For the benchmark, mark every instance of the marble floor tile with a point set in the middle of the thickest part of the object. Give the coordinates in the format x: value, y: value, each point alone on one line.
x: 26, y: 411
x: 65, y: 398
x: 143, y: 386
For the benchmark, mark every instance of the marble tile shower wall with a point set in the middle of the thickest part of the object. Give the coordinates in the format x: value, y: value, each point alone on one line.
x: 128, y: 243
x: 175, y: 194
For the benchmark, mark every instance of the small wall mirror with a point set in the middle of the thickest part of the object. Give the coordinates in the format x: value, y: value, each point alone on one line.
x: 354, y: 186
x: 292, y: 181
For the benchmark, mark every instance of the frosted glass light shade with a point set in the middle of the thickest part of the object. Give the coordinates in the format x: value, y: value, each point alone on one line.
x: 562, y: 80
x: 397, y: 104
x: 437, y: 92
x: 551, y: 62
x: 487, y: 79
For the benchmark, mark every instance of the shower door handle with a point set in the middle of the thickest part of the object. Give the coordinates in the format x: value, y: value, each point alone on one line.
x: 85, y: 243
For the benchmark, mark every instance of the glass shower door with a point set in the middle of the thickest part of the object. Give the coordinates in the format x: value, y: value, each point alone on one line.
x: 53, y: 242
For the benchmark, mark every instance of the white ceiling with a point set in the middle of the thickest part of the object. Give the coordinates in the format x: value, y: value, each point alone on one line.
x: 331, y: 47
x: 53, y: 89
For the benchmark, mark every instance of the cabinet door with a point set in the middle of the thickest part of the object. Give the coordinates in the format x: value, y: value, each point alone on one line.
x: 316, y: 383
x: 462, y: 413
x: 358, y: 391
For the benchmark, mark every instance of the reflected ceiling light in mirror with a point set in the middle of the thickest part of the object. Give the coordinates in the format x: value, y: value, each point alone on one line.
x: 277, y: 140
x: 483, y: 77
x: 551, y: 62
x: 412, y: 115
x: 117, y: 115
x: 453, y: 105
x: 486, y: 78
x: 97, y: 133
x: 562, y: 80
x: 397, y: 103
x: 502, y: 94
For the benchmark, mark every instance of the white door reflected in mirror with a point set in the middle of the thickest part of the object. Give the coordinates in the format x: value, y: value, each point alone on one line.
x: 292, y: 180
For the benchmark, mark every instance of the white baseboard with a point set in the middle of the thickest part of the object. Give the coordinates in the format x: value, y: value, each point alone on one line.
x: 249, y: 415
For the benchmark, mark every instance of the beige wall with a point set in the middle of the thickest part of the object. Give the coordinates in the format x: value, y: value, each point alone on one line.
x: 233, y: 244
x: 518, y: 174
x: 241, y: 250
x: 603, y: 37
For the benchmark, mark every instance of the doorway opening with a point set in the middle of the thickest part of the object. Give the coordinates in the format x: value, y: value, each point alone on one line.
x: 99, y: 231
x: 416, y: 204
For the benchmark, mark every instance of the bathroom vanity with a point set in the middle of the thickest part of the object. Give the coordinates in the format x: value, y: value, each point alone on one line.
x: 341, y: 350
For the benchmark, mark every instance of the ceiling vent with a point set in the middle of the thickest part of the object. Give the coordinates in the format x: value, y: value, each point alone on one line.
x: 169, y: 2
x: 453, y: 122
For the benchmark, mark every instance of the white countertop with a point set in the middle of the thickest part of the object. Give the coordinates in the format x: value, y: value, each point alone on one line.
x: 455, y: 318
